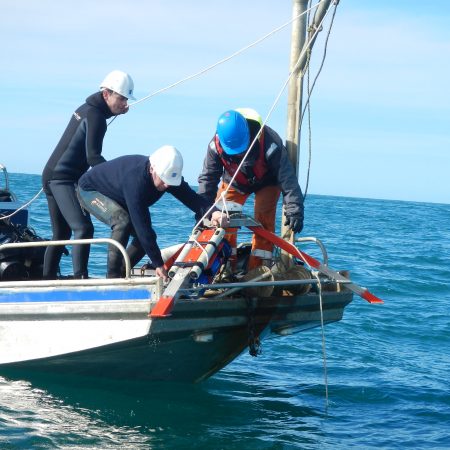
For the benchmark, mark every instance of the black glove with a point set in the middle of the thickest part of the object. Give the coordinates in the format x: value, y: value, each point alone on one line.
x: 295, y: 223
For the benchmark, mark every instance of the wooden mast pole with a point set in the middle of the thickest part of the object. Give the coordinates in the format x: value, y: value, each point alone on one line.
x: 295, y: 87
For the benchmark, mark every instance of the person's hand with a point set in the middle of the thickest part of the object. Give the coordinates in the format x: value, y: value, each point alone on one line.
x: 162, y: 273
x: 294, y: 222
x: 219, y: 219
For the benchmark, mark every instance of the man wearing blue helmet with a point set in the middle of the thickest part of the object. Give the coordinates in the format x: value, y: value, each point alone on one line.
x: 266, y: 172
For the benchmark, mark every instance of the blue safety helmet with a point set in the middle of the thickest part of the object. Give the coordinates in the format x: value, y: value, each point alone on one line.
x: 233, y: 132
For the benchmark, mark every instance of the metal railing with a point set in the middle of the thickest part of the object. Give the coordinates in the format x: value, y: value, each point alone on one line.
x: 119, y: 246
x: 319, y: 243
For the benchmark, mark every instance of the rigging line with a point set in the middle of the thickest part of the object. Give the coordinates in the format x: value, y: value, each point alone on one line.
x: 307, y: 48
x: 309, y: 138
x: 322, y: 327
x: 309, y: 21
x: 2, y: 217
x: 308, y: 100
x: 111, y: 121
x: 321, y: 65
x: 212, y: 66
x: 277, y: 99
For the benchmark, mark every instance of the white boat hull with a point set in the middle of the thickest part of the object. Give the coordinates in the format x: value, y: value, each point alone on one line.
x: 105, y: 331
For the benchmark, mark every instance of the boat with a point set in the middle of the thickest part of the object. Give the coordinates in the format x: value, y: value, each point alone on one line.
x: 138, y: 328
x: 122, y: 328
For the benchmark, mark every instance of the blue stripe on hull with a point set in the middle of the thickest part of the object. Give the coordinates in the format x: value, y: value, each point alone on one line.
x: 75, y: 295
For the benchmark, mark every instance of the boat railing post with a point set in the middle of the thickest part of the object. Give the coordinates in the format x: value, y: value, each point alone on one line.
x: 319, y: 243
x: 5, y: 174
x: 75, y: 242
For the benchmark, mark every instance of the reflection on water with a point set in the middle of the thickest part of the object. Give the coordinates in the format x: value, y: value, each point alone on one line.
x: 47, y: 412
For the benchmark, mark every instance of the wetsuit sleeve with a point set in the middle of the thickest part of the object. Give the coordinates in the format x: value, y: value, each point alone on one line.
x: 142, y: 223
x: 195, y: 202
x: 95, y: 132
x: 211, y: 174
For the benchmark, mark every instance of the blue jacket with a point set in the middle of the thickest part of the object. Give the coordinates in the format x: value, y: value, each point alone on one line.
x: 127, y: 181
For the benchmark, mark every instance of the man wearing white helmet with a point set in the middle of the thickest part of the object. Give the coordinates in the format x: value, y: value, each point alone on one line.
x: 119, y: 193
x: 79, y: 148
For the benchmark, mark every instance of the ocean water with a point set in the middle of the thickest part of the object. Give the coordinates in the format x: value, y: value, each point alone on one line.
x: 388, y: 365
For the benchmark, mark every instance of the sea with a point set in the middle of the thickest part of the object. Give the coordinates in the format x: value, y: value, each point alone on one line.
x: 377, y: 379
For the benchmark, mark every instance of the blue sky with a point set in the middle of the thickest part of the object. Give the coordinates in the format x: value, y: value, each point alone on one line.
x: 380, y: 112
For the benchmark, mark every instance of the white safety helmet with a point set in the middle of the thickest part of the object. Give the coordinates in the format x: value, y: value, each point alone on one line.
x: 167, y: 163
x: 250, y: 114
x: 119, y: 82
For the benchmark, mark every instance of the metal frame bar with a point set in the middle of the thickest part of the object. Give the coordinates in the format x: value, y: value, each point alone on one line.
x: 245, y: 284
x: 319, y: 243
x: 74, y: 242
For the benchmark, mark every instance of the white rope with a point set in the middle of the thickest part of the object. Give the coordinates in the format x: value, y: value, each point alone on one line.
x: 2, y: 217
x: 212, y: 66
x: 307, y: 106
x: 315, y: 274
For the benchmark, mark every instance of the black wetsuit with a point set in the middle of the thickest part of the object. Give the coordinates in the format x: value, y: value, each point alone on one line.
x: 79, y: 148
x: 119, y: 193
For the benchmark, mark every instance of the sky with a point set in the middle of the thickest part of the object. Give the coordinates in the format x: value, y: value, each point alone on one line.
x: 380, y: 109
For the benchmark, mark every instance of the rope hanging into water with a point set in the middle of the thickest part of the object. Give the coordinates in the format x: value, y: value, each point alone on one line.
x: 315, y: 274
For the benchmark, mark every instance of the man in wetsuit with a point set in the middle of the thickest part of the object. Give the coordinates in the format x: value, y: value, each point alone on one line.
x: 266, y: 172
x: 119, y: 193
x: 79, y: 148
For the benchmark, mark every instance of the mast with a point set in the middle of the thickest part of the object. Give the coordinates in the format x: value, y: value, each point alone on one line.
x: 295, y: 87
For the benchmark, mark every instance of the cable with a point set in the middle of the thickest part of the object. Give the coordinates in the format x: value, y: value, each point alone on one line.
x: 212, y: 66
x: 308, y: 100
x: 315, y: 274
x: 2, y: 217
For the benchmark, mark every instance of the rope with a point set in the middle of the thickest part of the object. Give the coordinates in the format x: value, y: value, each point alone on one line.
x: 212, y: 66
x: 315, y: 274
x: 309, y: 134
x: 2, y: 217
x: 308, y: 100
